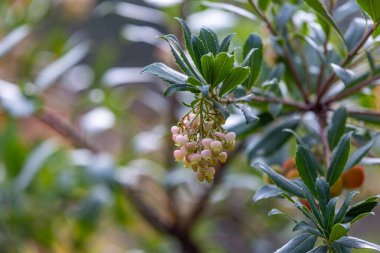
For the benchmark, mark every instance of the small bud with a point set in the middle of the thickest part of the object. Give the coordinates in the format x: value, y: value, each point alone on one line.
x: 184, y: 150
x: 201, y: 176
x: 186, y: 122
x: 223, y: 157
x: 190, y: 146
x: 230, y: 137
x: 186, y: 163
x: 174, y: 130
x: 206, y: 154
x: 194, y: 158
x: 178, y: 155
x: 210, y: 172
x: 219, y: 135
x: 206, y: 142
x: 174, y: 137
x: 181, y: 140
x: 216, y: 146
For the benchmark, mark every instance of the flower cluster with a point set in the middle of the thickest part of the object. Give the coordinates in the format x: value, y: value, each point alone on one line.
x: 202, y: 142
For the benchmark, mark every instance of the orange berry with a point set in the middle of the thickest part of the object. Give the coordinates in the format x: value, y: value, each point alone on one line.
x: 354, y: 177
x: 289, y: 164
x: 305, y: 203
x: 292, y: 174
x: 337, y: 188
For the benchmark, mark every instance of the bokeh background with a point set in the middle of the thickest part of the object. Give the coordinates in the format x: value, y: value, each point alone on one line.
x: 82, y: 60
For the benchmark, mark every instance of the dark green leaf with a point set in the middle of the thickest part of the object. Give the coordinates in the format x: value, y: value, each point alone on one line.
x: 282, y: 182
x: 371, y: 61
x: 356, y: 243
x: 187, y: 37
x: 361, y: 216
x: 323, y: 193
x: 273, y: 139
x: 223, y: 64
x: 210, y: 40
x: 339, y: 159
x: 180, y: 87
x: 207, y: 62
x: 254, y: 58
x: 371, y: 7
x: 358, y: 155
x: 362, y: 207
x: 236, y: 76
x: 329, y: 216
x: 337, y: 127
x: 307, y: 168
x: 166, y: 73
x: 264, y: 4
x: 275, y: 211
x: 340, y: 249
x: 221, y: 109
x: 320, y: 249
x: 355, y: 32
x: 199, y: 50
x: 344, y: 208
x: 313, y: 205
x: 248, y: 115
x: 305, y: 227
x: 224, y: 47
x: 345, y: 75
x: 299, y: 244
x: 267, y: 192
x: 339, y: 230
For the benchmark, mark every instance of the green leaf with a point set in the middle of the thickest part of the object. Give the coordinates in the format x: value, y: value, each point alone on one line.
x: 187, y: 37
x: 221, y: 109
x: 344, y: 208
x: 210, y: 40
x: 356, y: 243
x: 249, y: 115
x: 282, y: 182
x: 166, y: 73
x: 267, y: 192
x: 358, y: 155
x: 180, y: 87
x: 320, y: 249
x: 194, y: 81
x: 299, y: 244
x: 207, y: 62
x: 224, y: 47
x: 339, y: 159
x: 329, y: 216
x: 253, y: 58
x: 199, y: 51
x: 337, y: 127
x: 355, y: 32
x: 230, y: 8
x: 275, y: 211
x: 339, y: 230
x: 371, y: 7
x: 305, y: 227
x: 307, y: 168
x: 314, y: 207
x: 273, y: 139
x: 345, y: 75
x: 236, y: 76
x: 264, y: 4
x: 224, y: 63
x: 320, y: 9
x: 323, y: 194
x: 337, y: 248
x: 361, y: 216
x: 360, y: 208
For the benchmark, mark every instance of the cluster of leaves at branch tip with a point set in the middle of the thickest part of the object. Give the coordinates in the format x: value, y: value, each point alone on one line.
x: 211, y: 74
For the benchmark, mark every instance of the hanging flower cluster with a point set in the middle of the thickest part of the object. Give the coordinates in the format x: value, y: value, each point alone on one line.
x: 201, y: 140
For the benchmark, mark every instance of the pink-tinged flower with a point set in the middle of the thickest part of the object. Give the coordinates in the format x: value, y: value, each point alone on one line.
x: 230, y: 137
x: 210, y: 172
x: 194, y: 158
x: 178, y: 155
x: 190, y: 146
x: 206, y: 142
x: 216, y: 146
x: 184, y: 150
x: 174, y: 138
x: 219, y: 135
x: 223, y: 157
x: 201, y: 176
x: 206, y: 154
x: 174, y: 130
x: 181, y: 140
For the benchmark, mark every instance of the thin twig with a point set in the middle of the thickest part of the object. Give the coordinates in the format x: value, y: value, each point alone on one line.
x: 363, y: 113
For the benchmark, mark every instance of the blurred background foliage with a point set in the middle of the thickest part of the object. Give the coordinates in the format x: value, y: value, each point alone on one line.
x: 80, y: 60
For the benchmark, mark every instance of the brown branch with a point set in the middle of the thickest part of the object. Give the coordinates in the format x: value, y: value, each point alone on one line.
x: 352, y: 89
x: 347, y: 60
x: 363, y: 113
x: 65, y: 130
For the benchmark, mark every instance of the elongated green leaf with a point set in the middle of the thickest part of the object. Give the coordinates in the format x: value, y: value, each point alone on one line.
x: 221, y: 109
x: 356, y: 243
x: 180, y: 87
x: 337, y: 127
x: 355, y: 32
x: 371, y: 7
x: 344, y: 208
x: 267, y: 192
x: 210, y: 40
x: 329, y: 215
x: 254, y: 58
x: 339, y: 159
x: 273, y: 139
x: 323, y: 193
x: 225, y: 45
x: 313, y: 204
x: 340, y: 248
x: 187, y: 37
x: 275, y: 211
x: 224, y: 63
x: 345, y: 75
x: 358, y: 209
x: 358, y: 155
x: 236, y: 76
x: 320, y: 249
x: 166, y: 73
x: 305, y: 227
x: 361, y: 216
x: 320, y: 9
x: 307, y: 168
x: 199, y: 50
x: 230, y: 8
x: 207, y: 62
x: 300, y: 244
x: 282, y: 182
x: 339, y: 230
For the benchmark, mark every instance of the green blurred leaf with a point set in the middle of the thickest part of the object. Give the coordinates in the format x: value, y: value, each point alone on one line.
x: 166, y: 73
x: 230, y: 8
x: 267, y: 192
x: 356, y: 243
x: 345, y: 75
x: 223, y: 64
x: 358, y: 155
x: 253, y: 53
x: 210, y: 40
x: 337, y: 127
x: 371, y: 7
x: 307, y: 168
x: 339, y: 230
x: 236, y: 76
x: 299, y: 244
x: 225, y: 45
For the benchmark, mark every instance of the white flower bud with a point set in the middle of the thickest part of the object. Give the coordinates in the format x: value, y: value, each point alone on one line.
x: 216, y: 146
x: 174, y: 137
x: 206, y: 154
x: 190, y: 146
x: 230, y: 137
x: 223, y: 157
x: 194, y: 158
x: 210, y: 172
x: 181, y: 140
x: 184, y: 150
x: 206, y: 142
x: 174, y: 130
x: 219, y: 135
x: 178, y: 155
